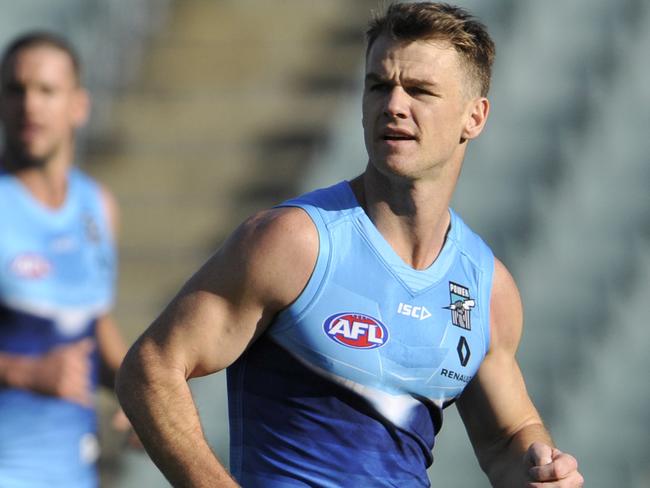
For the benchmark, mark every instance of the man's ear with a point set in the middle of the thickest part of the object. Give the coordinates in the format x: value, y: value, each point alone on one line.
x: 477, y: 115
x: 81, y: 108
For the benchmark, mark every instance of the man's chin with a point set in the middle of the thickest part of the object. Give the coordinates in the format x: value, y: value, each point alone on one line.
x: 401, y: 167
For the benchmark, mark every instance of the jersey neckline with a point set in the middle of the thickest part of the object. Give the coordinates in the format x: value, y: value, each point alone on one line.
x: 38, y: 209
x: 415, y: 280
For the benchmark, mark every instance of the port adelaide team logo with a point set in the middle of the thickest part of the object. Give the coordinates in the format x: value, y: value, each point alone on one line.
x: 356, y: 330
x: 460, y: 305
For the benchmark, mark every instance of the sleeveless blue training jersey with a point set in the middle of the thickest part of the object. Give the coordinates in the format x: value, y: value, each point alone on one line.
x: 347, y: 386
x: 57, y: 270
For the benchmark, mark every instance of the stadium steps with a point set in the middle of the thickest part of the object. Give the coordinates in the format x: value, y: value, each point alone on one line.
x: 232, y: 102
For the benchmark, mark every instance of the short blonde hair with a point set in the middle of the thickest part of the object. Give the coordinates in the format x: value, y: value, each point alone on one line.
x: 439, y: 22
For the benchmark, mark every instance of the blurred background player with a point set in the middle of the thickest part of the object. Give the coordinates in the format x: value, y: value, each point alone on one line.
x: 57, y: 273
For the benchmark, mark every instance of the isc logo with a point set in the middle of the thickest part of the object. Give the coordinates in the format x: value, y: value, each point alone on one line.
x: 420, y: 313
x: 356, y: 330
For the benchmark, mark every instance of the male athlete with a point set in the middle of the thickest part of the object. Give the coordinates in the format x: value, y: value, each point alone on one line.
x: 57, y: 271
x: 348, y: 318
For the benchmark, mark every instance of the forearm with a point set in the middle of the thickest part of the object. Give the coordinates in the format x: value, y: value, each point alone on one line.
x: 14, y: 370
x: 159, y: 404
x: 112, y: 350
x: 504, y: 462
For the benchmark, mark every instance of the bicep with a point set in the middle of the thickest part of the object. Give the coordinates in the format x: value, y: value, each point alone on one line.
x: 231, y: 300
x: 202, y: 331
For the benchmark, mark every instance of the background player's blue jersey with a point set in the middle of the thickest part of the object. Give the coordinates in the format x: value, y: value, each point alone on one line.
x: 347, y: 386
x: 57, y: 270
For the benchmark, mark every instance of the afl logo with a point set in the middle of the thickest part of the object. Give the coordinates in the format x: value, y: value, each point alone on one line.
x: 30, y: 266
x: 356, y: 330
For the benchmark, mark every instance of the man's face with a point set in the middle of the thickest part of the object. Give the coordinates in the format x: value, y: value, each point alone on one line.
x: 416, y: 108
x: 40, y: 105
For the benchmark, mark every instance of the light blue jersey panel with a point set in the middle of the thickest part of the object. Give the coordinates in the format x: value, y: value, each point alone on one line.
x: 348, y: 385
x: 57, y: 273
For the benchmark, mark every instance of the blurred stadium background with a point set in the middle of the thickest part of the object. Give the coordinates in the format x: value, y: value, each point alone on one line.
x: 207, y: 110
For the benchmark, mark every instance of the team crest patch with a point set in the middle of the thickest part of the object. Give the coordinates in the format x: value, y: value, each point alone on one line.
x: 91, y: 228
x: 460, y: 305
x: 355, y: 330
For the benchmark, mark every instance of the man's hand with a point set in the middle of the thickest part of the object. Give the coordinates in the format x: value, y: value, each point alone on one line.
x: 63, y: 372
x: 551, y: 467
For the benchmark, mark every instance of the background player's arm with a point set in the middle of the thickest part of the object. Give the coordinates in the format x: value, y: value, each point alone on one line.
x: 111, y: 210
x: 511, y: 443
x: 63, y: 372
x: 112, y: 349
x: 110, y: 343
x: 229, y: 302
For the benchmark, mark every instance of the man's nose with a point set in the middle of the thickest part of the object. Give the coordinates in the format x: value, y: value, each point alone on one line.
x: 396, y: 103
x: 30, y: 101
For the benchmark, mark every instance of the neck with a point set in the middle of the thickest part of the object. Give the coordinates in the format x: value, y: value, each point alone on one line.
x: 47, y: 182
x: 412, y: 215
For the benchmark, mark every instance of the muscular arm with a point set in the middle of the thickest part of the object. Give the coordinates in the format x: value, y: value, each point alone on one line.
x: 507, y: 433
x: 229, y: 302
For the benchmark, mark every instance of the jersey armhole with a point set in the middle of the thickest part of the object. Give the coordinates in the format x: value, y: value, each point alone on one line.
x: 91, y: 197
x: 293, y: 313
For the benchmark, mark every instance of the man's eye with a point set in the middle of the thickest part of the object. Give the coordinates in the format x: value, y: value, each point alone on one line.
x: 420, y: 91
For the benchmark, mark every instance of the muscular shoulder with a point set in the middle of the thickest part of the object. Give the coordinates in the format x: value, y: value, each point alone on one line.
x: 279, y: 232
x: 279, y: 225
x: 274, y: 253
x: 506, y: 312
